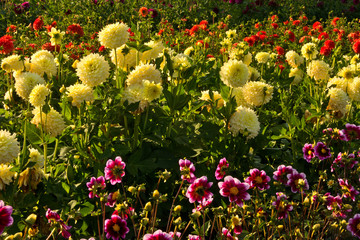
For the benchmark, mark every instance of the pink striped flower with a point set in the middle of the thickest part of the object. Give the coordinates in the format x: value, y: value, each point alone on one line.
x: 115, y: 170
x: 5, y: 216
x: 199, y: 191
x: 234, y: 190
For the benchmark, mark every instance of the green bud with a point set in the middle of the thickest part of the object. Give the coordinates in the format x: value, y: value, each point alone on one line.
x: 144, y: 221
x: 132, y: 189
x: 31, y: 219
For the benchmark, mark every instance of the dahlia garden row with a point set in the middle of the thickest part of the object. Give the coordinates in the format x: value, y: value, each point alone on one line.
x: 148, y: 124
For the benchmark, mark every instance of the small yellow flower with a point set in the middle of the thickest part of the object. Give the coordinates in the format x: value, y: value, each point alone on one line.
x: 56, y: 36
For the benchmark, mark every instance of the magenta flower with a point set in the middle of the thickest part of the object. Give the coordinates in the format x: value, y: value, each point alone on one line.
x: 322, y: 151
x: 352, y: 132
x: 335, y: 204
x: 54, y: 219
x: 308, y: 151
x: 297, y: 182
x: 203, y: 205
x: 198, y: 191
x: 235, y: 190
x: 115, y: 170
x: 348, y: 190
x: 227, y: 234
x: 281, y: 174
x: 177, y: 234
x: 282, y: 205
x: 220, y: 170
x: 116, y: 227
x: 5, y: 216
x: 258, y: 179
x: 354, y: 225
x: 111, y: 199
x: 194, y: 237
x: 158, y: 235
x: 95, y: 186
x: 187, y: 170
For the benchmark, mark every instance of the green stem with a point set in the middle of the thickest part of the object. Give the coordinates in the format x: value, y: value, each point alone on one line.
x: 136, y: 130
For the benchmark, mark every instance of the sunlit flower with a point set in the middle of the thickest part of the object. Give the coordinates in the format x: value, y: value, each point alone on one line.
x: 54, y: 219
x: 282, y: 172
x: 309, y: 51
x: 354, y: 225
x: 25, y: 82
x: 187, y: 170
x: 5, y: 216
x: 31, y: 177
x: 143, y: 72
x: 234, y: 73
x: 308, y: 151
x: 297, y: 181
x: 95, y: 186
x: 234, y: 190
x: 216, y: 98
x: 151, y: 90
x: 282, y: 205
x: 199, y: 191
x: 35, y: 156
x: 294, y: 59
x: 52, y: 122
x: 114, y: 35
x: 115, y: 170
x: 6, y: 176
x: 319, y: 70
x: 262, y: 57
x: 80, y: 93
x: 157, y: 47
x: 298, y: 75
x: 257, y: 93
x: 354, y: 89
x: 12, y: 63
x: 346, y: 72
x: 322, y: 151
x: 93, y: 69
x: 116, y: 227
x: 351, y: 132
x: 338, y: 101
x: 56, y: 36
x: 244, y: 121
x: 220, y: 169
x: 126, y: 58
x: 6, y: 44
x: 348, y: 190
x: 258, y: 179
x: 9, y: 146
x: 158, y: 235
x: 38, y: 95
x: 338, y: 82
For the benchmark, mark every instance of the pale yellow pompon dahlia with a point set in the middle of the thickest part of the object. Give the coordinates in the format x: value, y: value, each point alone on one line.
x: 38, y: 95
x: 181, y: 61
x: 134, y: 93
x: 338, y: 83
x: 80, y: 93
x: 262, y: 57
x: 254, y: 74
x: 338, y: 100
x: 239, y: 97
x: 298, y: 75
x: 309, y: 51
x: 114, y: 35
x: 6, y: 176
x: 36, y: 157
x: 189, y: 51
x: 354, y: 89
x: 43, y: 62
x: 124, y: 61
x: 12, y: 63
x: 156, y: 48
x: 56, y: 36
x: 143, y: 72
x: 216, y: 98
x: 294, y: 59
x: 257, y: 93
x: 247, y: 58
x: 319, y: 70
x: 346, y: 72
x: 25, y: 82
x: 42, y: 53
x: 9, y: 146
x: 234, y: 73
x: 52, y: 122
x: 231, y: 33
x: 93, y: 69
x: 244, y: 121
x: 151, y: 90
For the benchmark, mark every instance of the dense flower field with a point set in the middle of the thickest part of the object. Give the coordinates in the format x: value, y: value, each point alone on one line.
x: 179, y: 120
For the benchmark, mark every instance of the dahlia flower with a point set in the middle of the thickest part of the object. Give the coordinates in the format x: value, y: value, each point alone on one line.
x: 52, y: 122
x: 143, y: 72
x: 258, y: 179
x: 338, y: 101
x: 80, y: 93
x: 6, y: 176
x: 126, y: 58
x: 257, y: 93
x: 38, y: 95
x: 9, y: 146
x: 354, y: 225
x: 187, y: 170
x: 220, y: 169
x: 56, y: 36
x: 348, y: 190
x: 322, y: 151
x: 294, y: 59
x: 309, y: 51
x: 116, y: 227
x: 158, y: 235
x: 354, y: 89
x: 319, y: 70
x: 25, y: 82
x: 199, y: 191
x: 114, y: 35
x: 282, y: 172
x: 95, y: 186
x: 5, y: 212
x: 234, y: 190
x: 297, y: 181
x: 12, y: 63
x: 234, y: 73
x: 93, y: 69
x: 282, y: 205
x: 245, y: 121
x: 151, y: 90
x: 308, y: 151
x: 115, y: 170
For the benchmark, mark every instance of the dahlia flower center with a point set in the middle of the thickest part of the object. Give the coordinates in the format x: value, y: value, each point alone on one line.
x: 56, y: 35
x: 323, y: 150
x: 116, y: 228
x: 185, y: 171
x: 309, y: 152
x: 236, y: 221
x: 118, y: 171
x: 258, y: 180
x: 358, y: 226
x: 200, y: 190
x: 347, y: 75
x: 234, y: 191
x: 115, y: 195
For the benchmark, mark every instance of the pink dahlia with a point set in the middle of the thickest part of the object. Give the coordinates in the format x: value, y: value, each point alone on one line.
x: 308, y: 151
x: 351, y: 132
x: 282, y: 205
x: 187, y: 170
x: 227, y: 234
x: 115, y: 170
x: 116, y: 227
x: 54, y: 219
x: 194, y: 237
x: 336, y: 205
x: 5, y: 216
x: 322, y: 151
x: 95, y: 186
x: 235, y: 190
x: 158, y: 235
x: 220, y: 170
x: 348, y: 190
x: 198, y: 191
x: 258, y: 179
x: 297, y: 182
x: 281, y: 173
x: 354, y: 225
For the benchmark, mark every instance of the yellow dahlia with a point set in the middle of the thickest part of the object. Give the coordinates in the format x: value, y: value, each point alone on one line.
x: 257, y: 93
x: 151, y: 90
x: 234, y: 73
x: 80, y: 93
x: 43, y: 64
x: 9, y: 146
x: 56, y: 36
x: 93, y: 69
x: 354, y: 89
x: 298, y: 75
x: 135, y: 93
x: 6, y: 176
x: 338, y: 100
x: 338, y: 83
x: 52, y: 122
x: 143, y: 72
x: 38, y: 95
x: 42, y: 53
x: 156, y: 48
x: 346, y: 72
x: 294, y: 59
x: 244, y: 121
x: 262, y: 57
x: 309, y: 51
x: 231, y: 33
x: 126, y: 58
x: 36, y: 157
x: 12, y: 63
x: 239, y: 97
x: 25, y: 82
x: 319, y: 70
x: 114, y: 35
x: 216, y: 98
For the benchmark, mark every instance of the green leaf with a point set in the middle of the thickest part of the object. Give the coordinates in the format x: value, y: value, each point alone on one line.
x: 65, y: 187
x: 86, y: 209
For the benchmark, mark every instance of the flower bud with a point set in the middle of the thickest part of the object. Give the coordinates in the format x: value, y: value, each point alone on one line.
x: 316, y: 227
x: 148, y: 206
x: 31, y: 219
x: 156, y: 194
x: 177, y: 209
x: 144, y: 221
x: 74, y: 65
x: 33, y: 231
x: 177, y: 221
x: 141, y: 188
x: 280, y: 227
x: 196, y: 215
x: 132, y: 189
